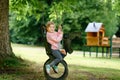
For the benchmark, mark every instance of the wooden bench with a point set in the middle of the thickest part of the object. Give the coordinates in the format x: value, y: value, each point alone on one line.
x: 115, y: 47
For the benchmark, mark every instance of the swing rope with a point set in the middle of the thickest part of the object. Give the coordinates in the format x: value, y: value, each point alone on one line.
x: 56, y: 14
x: 59, y: 24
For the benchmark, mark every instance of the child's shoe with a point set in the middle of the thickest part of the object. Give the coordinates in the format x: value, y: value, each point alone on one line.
x: 55, y: 69
x: 48, y: 69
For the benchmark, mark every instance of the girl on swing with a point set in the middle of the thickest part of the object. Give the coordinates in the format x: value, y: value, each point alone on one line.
x: 54, y: 38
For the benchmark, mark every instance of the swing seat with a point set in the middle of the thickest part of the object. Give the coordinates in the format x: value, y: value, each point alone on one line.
x: 48, y: 50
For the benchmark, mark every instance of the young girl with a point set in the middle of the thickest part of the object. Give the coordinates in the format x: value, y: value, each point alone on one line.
x: 54, y: 38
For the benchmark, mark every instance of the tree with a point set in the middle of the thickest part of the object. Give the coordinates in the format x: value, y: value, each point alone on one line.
x: 74, y: 15
x: 26, y: 17
x: 81, y: 12
x: 116, y: 7
x: 5, y: 46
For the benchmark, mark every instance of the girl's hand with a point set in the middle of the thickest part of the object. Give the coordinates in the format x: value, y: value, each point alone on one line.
x: 63, y: 51
x: 60, y: 27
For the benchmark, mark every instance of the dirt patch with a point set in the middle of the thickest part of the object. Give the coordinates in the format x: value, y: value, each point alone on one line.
x: 31, y: 71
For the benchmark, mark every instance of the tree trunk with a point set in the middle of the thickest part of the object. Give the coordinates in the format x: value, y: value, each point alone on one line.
x: 5, y: 46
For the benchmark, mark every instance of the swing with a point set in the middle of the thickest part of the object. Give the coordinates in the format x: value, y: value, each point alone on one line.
x: 62, y: 65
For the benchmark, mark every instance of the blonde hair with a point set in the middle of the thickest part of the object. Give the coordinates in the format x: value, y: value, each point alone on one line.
x: 49, y: 23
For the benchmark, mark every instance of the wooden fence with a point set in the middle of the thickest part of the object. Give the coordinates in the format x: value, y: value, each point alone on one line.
x: 112, y: 49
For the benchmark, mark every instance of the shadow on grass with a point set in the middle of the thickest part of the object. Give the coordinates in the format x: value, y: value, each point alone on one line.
x: 17, y: 69
x: 14, y: 68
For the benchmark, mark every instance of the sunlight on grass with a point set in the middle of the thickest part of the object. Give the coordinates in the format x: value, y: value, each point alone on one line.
x: 35, y: 54
x: 38, y: 55
x: 77, y: 59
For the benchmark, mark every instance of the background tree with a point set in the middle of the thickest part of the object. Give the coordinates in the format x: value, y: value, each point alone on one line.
x: 116, y: 7
x: 5, y: 46
x: 25, y: 20
x: 28, y: 16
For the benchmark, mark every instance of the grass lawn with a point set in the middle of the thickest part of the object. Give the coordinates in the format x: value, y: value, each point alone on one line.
x: 80, y: 68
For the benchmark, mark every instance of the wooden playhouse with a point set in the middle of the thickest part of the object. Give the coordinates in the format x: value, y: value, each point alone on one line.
x: 96, y: 35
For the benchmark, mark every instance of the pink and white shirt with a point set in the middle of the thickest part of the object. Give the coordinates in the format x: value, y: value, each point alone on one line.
x: 54, y: 39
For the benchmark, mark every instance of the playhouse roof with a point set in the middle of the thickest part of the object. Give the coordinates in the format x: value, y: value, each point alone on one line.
x: 93, y: 27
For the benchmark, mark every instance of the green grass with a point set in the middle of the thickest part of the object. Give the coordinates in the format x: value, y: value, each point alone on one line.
x: 80, y: 68
x: 92, y: 68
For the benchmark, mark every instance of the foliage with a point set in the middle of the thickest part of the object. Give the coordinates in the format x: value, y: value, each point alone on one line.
x: 24, y: 20
x: 26, y: 17
x: 116, y: 7
x: 84, y: 11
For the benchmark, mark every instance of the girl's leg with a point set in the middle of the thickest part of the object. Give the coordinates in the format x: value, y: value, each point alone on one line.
x: 58, y: 56
x: 56, y: 61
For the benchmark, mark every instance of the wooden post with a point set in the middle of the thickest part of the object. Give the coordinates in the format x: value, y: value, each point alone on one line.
x: 102, y: 51
x: 119, y: 52
x: 96, y: 51
x: 107, y: 51
x: 84, y: 51
x: 90, y: 51
x: 111, y: 47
